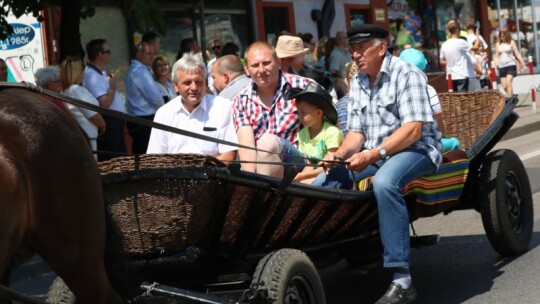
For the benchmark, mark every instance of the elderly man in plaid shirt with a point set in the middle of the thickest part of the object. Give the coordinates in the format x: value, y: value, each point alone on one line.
x: 390, y: 118
x: 263, y: 116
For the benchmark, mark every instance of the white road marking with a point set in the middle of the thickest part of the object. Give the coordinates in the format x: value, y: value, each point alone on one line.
x: 529, y: 155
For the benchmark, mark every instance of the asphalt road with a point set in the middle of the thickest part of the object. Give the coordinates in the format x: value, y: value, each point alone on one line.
x: 461, y: 268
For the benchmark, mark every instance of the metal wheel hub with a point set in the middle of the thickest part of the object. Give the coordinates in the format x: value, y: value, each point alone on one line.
x: 513, y: 200
x: 299, y: 291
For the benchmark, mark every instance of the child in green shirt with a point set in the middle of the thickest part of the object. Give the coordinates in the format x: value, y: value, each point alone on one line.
x: 320, y: 134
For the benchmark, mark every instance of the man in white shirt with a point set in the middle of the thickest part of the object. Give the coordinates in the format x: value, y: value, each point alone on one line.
x: 102, y: 85
x: 455, y: 54
x: 194, y: 111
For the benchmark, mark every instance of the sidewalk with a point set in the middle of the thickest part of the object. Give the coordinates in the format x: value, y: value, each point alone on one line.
x: 528, y: 121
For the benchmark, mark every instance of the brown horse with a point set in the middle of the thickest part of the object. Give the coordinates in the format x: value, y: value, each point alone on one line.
x: 51, y: 195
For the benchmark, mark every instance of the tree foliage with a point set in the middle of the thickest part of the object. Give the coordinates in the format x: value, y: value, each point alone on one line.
x: 141, y: 14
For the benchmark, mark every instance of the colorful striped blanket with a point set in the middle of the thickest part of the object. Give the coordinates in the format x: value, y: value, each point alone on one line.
x: 444, y: 186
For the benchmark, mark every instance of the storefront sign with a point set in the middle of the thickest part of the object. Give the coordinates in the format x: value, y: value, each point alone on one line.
x: 380, y: 15
x: 23, y: 51
x: 22, y: 35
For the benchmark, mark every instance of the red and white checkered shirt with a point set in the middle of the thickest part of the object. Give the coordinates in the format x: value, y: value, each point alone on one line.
x: 280, y: 119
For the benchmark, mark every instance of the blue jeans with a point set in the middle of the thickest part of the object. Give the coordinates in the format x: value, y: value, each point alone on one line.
x: 390, y: 178
x: 290, y: 155
x: 340, y: 177
x: 396, y: 172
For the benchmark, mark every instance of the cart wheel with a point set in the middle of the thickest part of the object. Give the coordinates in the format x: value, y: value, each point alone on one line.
x: 59, y: 293
x: 289, y: 277
x: 507, y: 204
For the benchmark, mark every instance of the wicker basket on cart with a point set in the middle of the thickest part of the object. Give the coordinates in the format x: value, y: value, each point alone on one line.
x: 159, y: 203
x: 468, y: 115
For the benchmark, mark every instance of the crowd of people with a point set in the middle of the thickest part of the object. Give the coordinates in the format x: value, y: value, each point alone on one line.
x: 465, y: 58
x: 327, y: 113
x: 149, y: 82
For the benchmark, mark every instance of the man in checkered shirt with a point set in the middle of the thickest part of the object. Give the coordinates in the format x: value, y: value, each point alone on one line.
x: 391, y: 120
x: 264, y: 118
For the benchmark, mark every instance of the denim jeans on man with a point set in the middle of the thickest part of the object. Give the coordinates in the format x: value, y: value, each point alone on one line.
x: 390, y: 178
x: 292, y: 158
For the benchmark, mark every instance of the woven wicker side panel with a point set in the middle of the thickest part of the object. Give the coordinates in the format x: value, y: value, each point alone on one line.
x: 356, y: 218
x: 297, y: 205
x: 272, y: 212
x: 343, y: 211
x: 238, y: 208
x: 468, y: 115
x: 157, y: 161
x: 157, y: 216
x: 313, y: 217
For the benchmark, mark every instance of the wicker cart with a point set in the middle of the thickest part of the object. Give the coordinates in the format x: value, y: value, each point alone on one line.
x: 195, y: 225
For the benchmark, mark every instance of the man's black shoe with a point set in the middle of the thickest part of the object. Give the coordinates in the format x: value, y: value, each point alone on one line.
x: 397, y: 295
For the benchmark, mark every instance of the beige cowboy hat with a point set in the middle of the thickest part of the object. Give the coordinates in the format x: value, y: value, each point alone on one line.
x: 289, y: 46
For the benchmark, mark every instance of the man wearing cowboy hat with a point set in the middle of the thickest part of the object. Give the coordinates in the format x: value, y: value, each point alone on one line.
x: 290, y: 51
x: 391, y: 119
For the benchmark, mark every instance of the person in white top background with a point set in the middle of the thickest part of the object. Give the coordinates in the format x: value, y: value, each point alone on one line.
x: 162, y: 75
x: 455, y: 55
x: 71, y: 78
x: 103, y: 86
x: 507, y: 58
x: 194, y: 111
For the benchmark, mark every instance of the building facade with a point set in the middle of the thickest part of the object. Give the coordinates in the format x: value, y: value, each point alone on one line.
x: 420, y: 23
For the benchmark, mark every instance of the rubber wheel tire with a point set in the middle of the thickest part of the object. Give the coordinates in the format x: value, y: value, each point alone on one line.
x: 507, y: 204
x: 289, y: 276
x: 59, y: 293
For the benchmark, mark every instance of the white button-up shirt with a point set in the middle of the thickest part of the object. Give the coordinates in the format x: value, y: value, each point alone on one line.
x: 213, y: 114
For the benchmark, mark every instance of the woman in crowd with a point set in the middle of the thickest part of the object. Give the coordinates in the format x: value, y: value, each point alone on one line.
x: 162, y: 75
x: 319, y: 50
x: 71, y: 77
x: 49, y: 79
x: 506, y: 58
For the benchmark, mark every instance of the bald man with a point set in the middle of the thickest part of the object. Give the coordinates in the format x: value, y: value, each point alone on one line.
x: 229, y: 76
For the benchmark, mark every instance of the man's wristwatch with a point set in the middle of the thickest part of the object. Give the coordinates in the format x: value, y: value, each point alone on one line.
x: 382, y: 151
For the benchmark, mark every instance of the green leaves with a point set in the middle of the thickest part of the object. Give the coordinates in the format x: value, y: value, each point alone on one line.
x: 17, y: 8
x: 143, y: 14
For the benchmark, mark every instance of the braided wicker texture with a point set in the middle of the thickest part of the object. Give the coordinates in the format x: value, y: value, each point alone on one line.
x: 155, y: 212
x: 468, y: 115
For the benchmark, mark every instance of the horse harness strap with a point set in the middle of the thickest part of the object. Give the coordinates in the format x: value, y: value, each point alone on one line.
x: 127, y: 117
x: 121, y: 115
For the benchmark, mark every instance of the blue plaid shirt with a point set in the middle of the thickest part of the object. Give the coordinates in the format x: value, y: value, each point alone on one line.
x: 398, y: 96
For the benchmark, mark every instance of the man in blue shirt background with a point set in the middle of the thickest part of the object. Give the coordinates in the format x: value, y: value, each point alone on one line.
x: 143, y: 97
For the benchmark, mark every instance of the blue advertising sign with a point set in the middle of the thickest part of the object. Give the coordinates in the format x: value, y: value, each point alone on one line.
x: 22, y: 35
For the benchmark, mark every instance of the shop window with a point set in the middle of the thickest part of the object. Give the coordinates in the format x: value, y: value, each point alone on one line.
x: 422, y: 24
x: 357, y: 14
x: 277, y: 17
